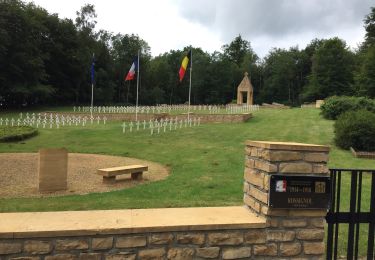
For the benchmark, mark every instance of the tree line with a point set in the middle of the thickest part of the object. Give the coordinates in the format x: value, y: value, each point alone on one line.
x: 45, y: 60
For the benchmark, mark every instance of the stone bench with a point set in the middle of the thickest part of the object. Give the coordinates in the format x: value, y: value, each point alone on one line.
x: 109, y: 174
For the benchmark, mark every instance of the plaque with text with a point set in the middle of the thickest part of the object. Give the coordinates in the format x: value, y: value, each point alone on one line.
x: 299, y: 192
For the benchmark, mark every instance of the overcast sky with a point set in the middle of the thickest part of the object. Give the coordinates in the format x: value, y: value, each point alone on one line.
x: 173, y: 24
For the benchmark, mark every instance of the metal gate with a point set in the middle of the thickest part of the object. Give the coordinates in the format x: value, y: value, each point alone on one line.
x: 352, y: 210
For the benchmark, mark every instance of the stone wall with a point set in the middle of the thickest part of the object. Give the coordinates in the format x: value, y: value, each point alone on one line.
x: 253, y: 231
x: 224, y: 244
x: 297, y: 232
x: 205, y: 118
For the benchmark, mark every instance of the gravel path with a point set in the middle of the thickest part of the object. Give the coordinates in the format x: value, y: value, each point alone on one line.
x: 19, y: 176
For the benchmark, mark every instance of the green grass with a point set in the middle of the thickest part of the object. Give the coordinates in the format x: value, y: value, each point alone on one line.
x: 16, y: 133
x: 207, y: 161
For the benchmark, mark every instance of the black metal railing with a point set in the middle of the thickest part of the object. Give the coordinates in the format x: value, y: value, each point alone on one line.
x: 358, y: 211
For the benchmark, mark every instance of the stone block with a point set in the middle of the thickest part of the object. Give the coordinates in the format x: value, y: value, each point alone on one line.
x: 101, y: 243
x: 265, y: 166
x: 236, y: 252
x: 280, y: 235
x: 280, y: 156
x: 181, y: 253
x: 61, y: 257
x: 293, y: 223
x: 90, y: 256
x: 290, y: 249
x: 254, y: 177
x: 190, y: 238
x: 251, y: 151
x: 317, y: 222
x: 225, y: 238
x: 71, y: 244
x: 255, y: 237
x: 249, y: 163
x: 35, y: 247
x: 161, y: 239
x: 129, y: 242
x: 273, y: 212
x: 208, y: 252
x: 259, y: 195
x: 245, y: 187
x: 299, y: 167
x: 121, y: 256
x: 313, y: 248
x: 266, y: 182
x: 251, y: 202
x: 316, y: 157
x: 320, y: 169
x: 10, y: 248
x: 149, y: 254
x: 25, y: 258
x: 53, y: 169
x: 269, y: 249
x: 310, y: 234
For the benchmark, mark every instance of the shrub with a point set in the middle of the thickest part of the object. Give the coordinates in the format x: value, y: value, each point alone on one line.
x: 335, y: 106
x: 16, y: 133
x: 356, y: 129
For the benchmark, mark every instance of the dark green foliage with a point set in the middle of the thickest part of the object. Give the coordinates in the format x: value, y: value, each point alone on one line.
x: 334, y: 106
x: 16, y: 133
x: 331, y: 72
x: 356, y: 129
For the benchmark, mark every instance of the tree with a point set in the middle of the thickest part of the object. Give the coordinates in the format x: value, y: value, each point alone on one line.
x: 332, y: 71
x: 238, y: 50
x: 366, y: 76
x: 370, y: 28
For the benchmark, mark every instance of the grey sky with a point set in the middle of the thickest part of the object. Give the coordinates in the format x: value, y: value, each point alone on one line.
x: 173, y: 24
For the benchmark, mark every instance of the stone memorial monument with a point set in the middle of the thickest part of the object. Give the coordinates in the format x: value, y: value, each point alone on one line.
x: 245, y: 88
x: 52, y: 169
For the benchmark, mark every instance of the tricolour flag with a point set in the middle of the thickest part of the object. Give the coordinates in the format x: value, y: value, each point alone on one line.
x: 184, y: 64
x: 133, y: 68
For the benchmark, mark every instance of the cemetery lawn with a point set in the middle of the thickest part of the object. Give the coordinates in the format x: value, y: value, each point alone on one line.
x: 206, y: 162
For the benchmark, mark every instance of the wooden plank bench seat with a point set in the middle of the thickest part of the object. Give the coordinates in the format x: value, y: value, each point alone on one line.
x: 109, y: 174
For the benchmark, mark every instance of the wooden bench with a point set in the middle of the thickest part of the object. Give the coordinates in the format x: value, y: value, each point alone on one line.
x: 109, y: 174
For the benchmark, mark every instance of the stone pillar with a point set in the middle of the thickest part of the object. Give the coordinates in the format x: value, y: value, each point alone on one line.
x: 53, y: 169
x: 293, y: 232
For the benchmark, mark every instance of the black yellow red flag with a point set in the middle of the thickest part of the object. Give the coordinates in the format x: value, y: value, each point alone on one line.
x: 184, y: 65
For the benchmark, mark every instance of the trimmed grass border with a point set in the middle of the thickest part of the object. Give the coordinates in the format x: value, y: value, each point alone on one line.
x: 16, y: 133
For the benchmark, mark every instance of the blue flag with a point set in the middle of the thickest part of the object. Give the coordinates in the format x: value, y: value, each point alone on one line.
x: 93, y: 69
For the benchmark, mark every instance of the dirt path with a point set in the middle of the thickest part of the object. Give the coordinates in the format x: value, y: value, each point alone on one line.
x: 19, y: 176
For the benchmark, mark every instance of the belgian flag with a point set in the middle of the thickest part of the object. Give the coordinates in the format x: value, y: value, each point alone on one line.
x: 184, y: 65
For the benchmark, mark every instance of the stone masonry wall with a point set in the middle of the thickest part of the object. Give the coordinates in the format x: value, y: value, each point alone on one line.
x: 225, y: 244
x: 205, y: 118
x: 297, y: 232
x: 288, y: 234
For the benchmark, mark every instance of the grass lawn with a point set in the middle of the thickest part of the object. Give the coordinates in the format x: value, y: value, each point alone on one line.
x: 206, y: 162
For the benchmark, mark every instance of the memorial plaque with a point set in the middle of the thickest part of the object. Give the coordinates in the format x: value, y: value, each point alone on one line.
x: 304, y: 192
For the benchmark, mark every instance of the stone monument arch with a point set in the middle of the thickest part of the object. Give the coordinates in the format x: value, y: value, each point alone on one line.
x: 245, y: 88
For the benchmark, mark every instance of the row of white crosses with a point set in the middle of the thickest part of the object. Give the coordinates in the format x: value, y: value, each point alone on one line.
x: 211, y: 109
x: 241, y: 109
x: 162, y: 125
x: 50, y: 120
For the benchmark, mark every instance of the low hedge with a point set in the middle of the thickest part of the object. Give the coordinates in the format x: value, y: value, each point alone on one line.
x: 356, y: 129
x: 335, y: 106
x: 16, y: 133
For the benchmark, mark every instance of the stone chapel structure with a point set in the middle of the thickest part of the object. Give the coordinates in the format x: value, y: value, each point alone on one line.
x: 245, y: 88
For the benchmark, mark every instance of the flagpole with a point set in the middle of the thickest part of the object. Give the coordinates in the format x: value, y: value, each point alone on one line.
x: 191, y: 68
x: 136, y: 104
x: 92, y: 85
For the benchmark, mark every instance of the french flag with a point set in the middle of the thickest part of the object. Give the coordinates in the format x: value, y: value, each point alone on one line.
x: 133, y: 68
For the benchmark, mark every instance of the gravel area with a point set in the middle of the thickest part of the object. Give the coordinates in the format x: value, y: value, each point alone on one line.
x: 19, y: 174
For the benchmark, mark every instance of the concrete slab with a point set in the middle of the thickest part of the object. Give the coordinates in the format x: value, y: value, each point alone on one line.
x: 79, y: 223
